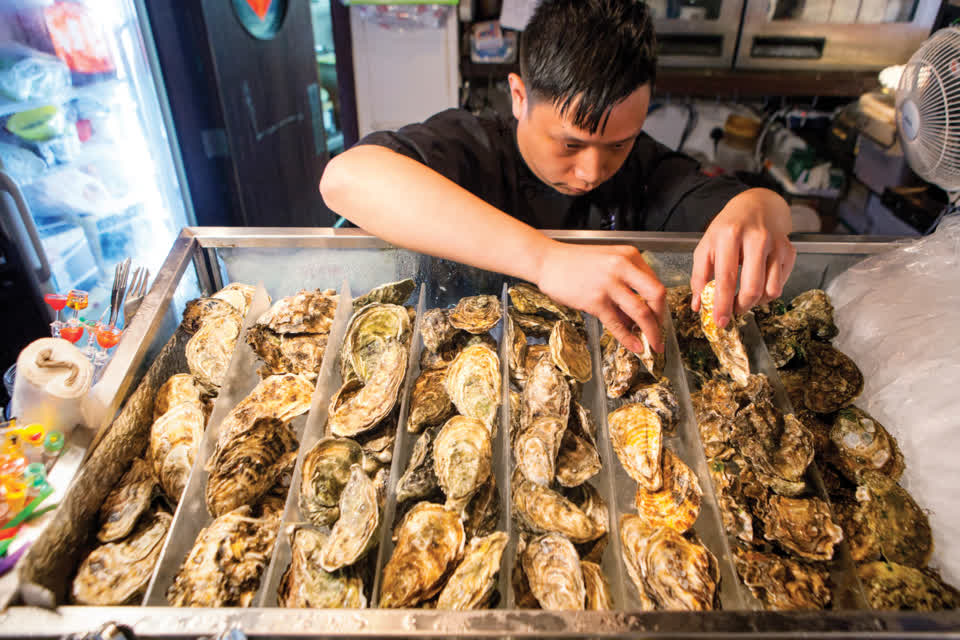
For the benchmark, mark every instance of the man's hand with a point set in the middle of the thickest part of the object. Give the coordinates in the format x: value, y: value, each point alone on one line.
x: 750, y: 231
x: 613, y: 283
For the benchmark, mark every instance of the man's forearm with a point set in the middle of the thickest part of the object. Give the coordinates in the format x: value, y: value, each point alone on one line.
x: 410, y: 205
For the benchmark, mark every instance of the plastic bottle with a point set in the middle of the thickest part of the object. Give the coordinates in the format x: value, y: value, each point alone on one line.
x: 52, y: 448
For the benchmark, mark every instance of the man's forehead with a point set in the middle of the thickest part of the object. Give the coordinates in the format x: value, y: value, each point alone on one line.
x: 621, y: 121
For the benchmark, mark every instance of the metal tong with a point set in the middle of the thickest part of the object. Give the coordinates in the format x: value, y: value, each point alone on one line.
x: 120, y: 275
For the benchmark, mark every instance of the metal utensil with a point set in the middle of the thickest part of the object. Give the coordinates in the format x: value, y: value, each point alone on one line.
x: 138, y: 289
x: 121, y: 274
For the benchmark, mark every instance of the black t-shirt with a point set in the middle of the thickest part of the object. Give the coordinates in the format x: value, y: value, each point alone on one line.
x: 656, y: 189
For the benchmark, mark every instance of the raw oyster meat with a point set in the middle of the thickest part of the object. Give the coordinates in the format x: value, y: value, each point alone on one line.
x: 482, y: 514
x: 782, y: 584
x: 118, y: 572
x: 462, y: 456
x: 833, y: 379
x: 553, y: 571
x: 637, y: 439
x: 677, y: 503
x: 725, y: 342
x: 598, y: 596
x: 390, y: 293
x: 127, y: 501
x: 178, y: 389
x: 429, y: 403
x: 239, y: 295
x: 199, y: 310
x: 306, y: 585
x: 670, y: 571
x: 473, y: 384
x: 802, y: 526
x: 476, y: 314
x: 369, y: 334
x: 531, y: 324
x: 429, y: 544
x: 864, y: 451
x: 540, y: 509
x: 568, y: 348
x: 174, y: 440
x: 889, y: 585
x: 436, y: 330
x: 365, y: 409
x: 419, y: 480
x: 224, y: 567
x: 530, y: 300
x: 473, y: 581
x: 326, y: 470
x: 208, y: 352
x: 355, y: 531
x: 660, y: 398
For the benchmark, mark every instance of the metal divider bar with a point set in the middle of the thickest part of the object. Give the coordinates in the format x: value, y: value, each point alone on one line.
x: 501, y: 462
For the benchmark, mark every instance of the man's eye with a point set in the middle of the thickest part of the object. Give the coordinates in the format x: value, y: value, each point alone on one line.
x: 572, y: 146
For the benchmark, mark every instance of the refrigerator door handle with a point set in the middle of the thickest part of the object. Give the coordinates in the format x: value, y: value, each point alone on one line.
x: 8, y: 185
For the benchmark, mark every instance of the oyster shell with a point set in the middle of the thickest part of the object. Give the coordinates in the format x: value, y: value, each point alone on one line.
x: 355, y: 530
x: 419, y: 480
x: 670, y: 571
x: 540, y: 509
x: 529, y: 299
x: 476, y: 314
x: 238, y: 295
x: 474, y: 580
x: 304, y: 312
x: 462, y: 456
x: 889, y: 585
x: 532, y: 325
x: 178, y: 389
x: 127, y: 501
x: 813, y: 311
x: 306, y: 585
x: 445, y: 356
x: 283, y: 397
x: 734, y: 509
x: 390, y: 293
x: 578, y: 459
x: 377, y: 444
x: 482, y: 514
x: 208, y: 352
x: 864, y: 451
x: 637, y: 439
x: 369, y: 334
x: 568, y: 348
x: 724, y: 342
x: 224, y: 567
x: 326, y: 470
x: 174, y: 440
x: 802, y: 526
x: 365, y: 409
x: 288, y: 353
x: 677, y: 503
x: 621, y: 367
x: 888, y: 526
x: 546, y: 393
x: 517, y: 342
x: 553, y: 571
x: 473, y: 384
x: 436, y: 330
x: 429, y: 543
x: 199, y: 310
x: 833, y: 380
x: 523, y: 597
x: 429, y: 403
x: 589, y: 500
x: 782, y: 584
x: 660, y: 398
x: 778, y: 447
x: 536, y: 449
x: 598, y: 596
x: 118, y: 572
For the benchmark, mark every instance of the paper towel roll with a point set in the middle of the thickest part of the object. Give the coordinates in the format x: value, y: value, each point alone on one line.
x: 53, y: 376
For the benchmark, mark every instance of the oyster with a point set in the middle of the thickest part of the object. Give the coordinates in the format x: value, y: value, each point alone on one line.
x: 238, y: 295
x: 445, y: 356
x: 659, y: 398
x: 782, y: 584
x: 200, y: 310
x: 436, y: 330
x: 581, y: 421
x: 326, y: 470
x: 283, y: 397
x: 429, y: 543
x: 864, y: 451
x: 209, y: 350
x: 523, y: 597
x: 532, y: 325
x: 621, y: 367
x: 419, y: 480
x: 686, y: 322
x: 725, y: 342
x: 517, y: 342
x: 462, y: 457
x: 802, y: 526
x: 365, y: 409
x: 540, y: 509
x: 552, y: 568
x: 482, y: 514
x: 174, y: 440
x: 546, y: 393
x: 637, y: 439
x: 370, y: 334
x: 224, y: 567
x: 178, y: 389
x: 377, y: 444
x: 390, y: 293
x: 429, y: 403
x: 578, y: 459
x: 598, y: 596
x: 813, y: 311
x: 670, y: 571
x: 735, y: 513
x: 536, y: 448
x: 476, y: 314
x: 288, y: 353
x: 355, y: 530
x: 305, y: 312
x: 777, y: 446
x: 473, y: 384
x: 888, y: 526
x: 889, y: 585
x: 568, y: 348
x: 588, y: 499
x: 529, y: 299
x: 127, y: 501
x: 677, y: 503
x: 305, y: 585
x: 833, y: 381
x: 473, y: 581
x: 118, y: 572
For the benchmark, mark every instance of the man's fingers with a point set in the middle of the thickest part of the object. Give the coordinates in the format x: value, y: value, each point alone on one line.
x: 789, y: 259
x: 727, y: 261
x: 753, y: 273
x: 642, y: 315
x: 645, y: 282
x: 618, y: 325
x: 773, y: 287
x: 702, y: 273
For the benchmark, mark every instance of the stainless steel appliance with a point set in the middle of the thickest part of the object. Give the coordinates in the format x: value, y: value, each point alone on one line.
x: 697, y: 33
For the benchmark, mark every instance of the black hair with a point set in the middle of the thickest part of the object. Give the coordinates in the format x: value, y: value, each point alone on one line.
x: 597, y: 51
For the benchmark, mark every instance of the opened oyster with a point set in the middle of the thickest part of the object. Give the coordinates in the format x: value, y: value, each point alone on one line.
x: 637, y: 439
x: 306, y: 585
x: 436, y: 330
x: 597, y: 587
x: 199, y: 310
x: 419, y: 480
x: 355, y: 530
x: 326, y: 470
x: 889, y: 585
x: 476, y: 314
x: 530, y: 300
x: 833, y: 379
x: 782, y: 584
x: 540, y: 509
x: 473, y: 384
x: 429, y: 403
x: 482, y: 514
x: 568, y: 348
x: 369, y: 334
x: 660, y: 398
x: 174, y: 440
x: 390, y: 293
x: 118, y: 572
x: 472, y: 584
x: 127, y: 501
x: 670, y: 571
x: 208, y: 352
x: 429, y: 544
x: 553, y: 571
x: 462, y: 455
x: 363, y: 410
x: 532, y: 325
x: 864, y: 451
x: 801, y: 525
x: 677, y: 503
x: 238, y: 295
x: 725, y: 342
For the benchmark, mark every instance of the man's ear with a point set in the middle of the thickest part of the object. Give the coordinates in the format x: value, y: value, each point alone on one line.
x: 518, y: 95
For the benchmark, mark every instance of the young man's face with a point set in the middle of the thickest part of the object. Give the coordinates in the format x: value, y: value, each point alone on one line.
x: 569, y: 159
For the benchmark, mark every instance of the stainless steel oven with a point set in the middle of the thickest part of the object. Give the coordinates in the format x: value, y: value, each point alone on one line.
x: 697, y: 33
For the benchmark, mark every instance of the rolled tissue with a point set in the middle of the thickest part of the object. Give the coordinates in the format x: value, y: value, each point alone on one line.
x: 53, y: 376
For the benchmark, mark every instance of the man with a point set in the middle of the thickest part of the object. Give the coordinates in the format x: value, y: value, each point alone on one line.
x: 475, y: 190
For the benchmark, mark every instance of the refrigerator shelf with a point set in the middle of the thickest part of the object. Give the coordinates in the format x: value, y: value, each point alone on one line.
x: 94, y: 89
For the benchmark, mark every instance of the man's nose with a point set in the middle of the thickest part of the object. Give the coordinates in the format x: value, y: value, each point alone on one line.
x: 589, y: 166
